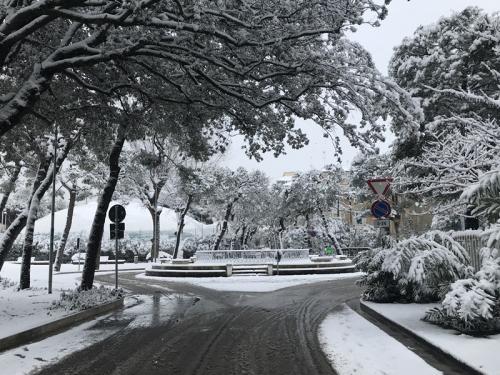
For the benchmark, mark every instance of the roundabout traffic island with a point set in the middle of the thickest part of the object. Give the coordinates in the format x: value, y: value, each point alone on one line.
x: 227, y: 263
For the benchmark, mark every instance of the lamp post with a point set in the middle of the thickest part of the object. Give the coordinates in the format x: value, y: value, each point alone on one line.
x: 53, y: 207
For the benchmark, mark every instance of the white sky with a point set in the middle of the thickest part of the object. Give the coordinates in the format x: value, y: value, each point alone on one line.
x: 403, y: 19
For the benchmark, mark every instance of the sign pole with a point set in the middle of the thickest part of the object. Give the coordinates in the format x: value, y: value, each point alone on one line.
x: 53, y: 208
x: 116, y: 249
x: 78, y: 251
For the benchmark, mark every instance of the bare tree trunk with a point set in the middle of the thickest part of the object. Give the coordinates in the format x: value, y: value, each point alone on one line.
x: 67, y: 228
x: 331, y: 237
x: 19, y: 223
x: 227, y: 215
x: 24, y: 280
x: 308, y: 235
x: 96, y: 232
x: 250, y: 234
x: 155, y: 245
x: 10, y: 186
x: 242, y: 237
x: 180, y: 225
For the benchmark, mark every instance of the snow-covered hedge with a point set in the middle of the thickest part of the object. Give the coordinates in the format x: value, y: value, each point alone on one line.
x: 86, y: 299
x: 418, y: 269
x: 472, y: 305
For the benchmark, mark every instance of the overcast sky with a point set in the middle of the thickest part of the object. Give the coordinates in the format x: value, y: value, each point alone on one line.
x: 403, y: 18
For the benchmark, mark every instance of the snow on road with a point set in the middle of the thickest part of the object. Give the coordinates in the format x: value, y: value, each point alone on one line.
x: 355, y: 346
x: 253, y: 283
x: 480, y: 353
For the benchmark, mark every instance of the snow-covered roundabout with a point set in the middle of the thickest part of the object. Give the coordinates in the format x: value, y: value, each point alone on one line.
x: 251, y: 262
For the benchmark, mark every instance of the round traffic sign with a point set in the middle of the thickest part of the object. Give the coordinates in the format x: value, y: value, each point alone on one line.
x: 117, y: 213
x: 381, y: 209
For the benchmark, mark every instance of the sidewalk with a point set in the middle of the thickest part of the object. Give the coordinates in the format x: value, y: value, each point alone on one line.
x: 355, y: 346
x: 478, y: 353
x: 23, y: 310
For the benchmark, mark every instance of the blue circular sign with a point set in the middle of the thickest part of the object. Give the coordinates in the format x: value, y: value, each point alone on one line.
x: 381, y: 209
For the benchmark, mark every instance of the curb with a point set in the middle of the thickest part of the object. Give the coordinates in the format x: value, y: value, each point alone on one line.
x: 376, y: 315
x: 48, y: 329
x: 96, y: 271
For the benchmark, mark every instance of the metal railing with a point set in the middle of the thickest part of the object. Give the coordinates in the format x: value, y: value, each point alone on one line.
x: 353, y: 251
x: 252, y: 256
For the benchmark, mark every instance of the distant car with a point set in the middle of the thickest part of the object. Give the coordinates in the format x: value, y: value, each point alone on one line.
x: 163, y: 255
x: 78, y: 257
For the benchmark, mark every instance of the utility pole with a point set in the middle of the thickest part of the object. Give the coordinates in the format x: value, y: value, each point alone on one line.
x: 116, y: 249
x: 53, y: 208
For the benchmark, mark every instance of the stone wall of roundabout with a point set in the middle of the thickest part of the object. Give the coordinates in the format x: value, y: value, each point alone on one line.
x: 227, y: 263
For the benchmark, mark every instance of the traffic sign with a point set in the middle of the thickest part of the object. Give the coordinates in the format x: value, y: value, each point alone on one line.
x: 117, y: 213
x: 382, y: 223
x: 113, y: 231
x: 381, y: 209
x: 380, y: 186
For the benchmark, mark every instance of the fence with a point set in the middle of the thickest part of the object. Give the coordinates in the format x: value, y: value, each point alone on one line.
x: 252, y: 256
x: 473, y: 241
x: 353, y: 251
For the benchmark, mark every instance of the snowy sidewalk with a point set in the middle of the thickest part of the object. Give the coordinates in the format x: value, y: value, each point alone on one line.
x: 30, y: 308
x: 355, y: 346
x: 480, y: 353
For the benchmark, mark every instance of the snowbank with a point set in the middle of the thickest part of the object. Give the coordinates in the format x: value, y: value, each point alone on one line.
x: 479, y: 353
x: 355, y: 346
x: 29, y: 308
x: 137, y: 219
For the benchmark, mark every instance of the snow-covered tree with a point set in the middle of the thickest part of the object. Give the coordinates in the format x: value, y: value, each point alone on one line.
x: 452, y: 69
x: 417, y: 269
x: 311, y: 195
x: 74, y: 181
x: 472, y: 305
x: 283, y: 58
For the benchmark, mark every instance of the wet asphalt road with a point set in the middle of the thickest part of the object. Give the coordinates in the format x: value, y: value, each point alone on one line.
x: 190, y: 330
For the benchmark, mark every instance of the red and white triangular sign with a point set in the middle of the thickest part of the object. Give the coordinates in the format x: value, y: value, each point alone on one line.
x: 380, y: 186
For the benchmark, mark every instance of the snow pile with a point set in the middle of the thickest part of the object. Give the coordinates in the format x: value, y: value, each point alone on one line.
x: 86, y: 299
x: 355, y: 346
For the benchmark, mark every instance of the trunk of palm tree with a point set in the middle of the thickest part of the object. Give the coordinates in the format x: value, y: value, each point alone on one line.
x: 97, y: 229
x: 180, y: 225
x: 10, y: 186
x: 67, y: 227
x: 19, y: 223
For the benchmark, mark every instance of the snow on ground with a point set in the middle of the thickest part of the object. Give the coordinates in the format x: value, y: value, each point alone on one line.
x: 28, y: 359
x: 253, y: 283
x: 22, y: 310
x: 137, y: 219
x: 355, y: 346
x: 479, y: 353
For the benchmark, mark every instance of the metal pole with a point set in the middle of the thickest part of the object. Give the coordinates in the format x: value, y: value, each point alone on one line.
x: 116, y: 247
x: 78, y: 251
x: 155, y: 224
x: 53, y: 208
